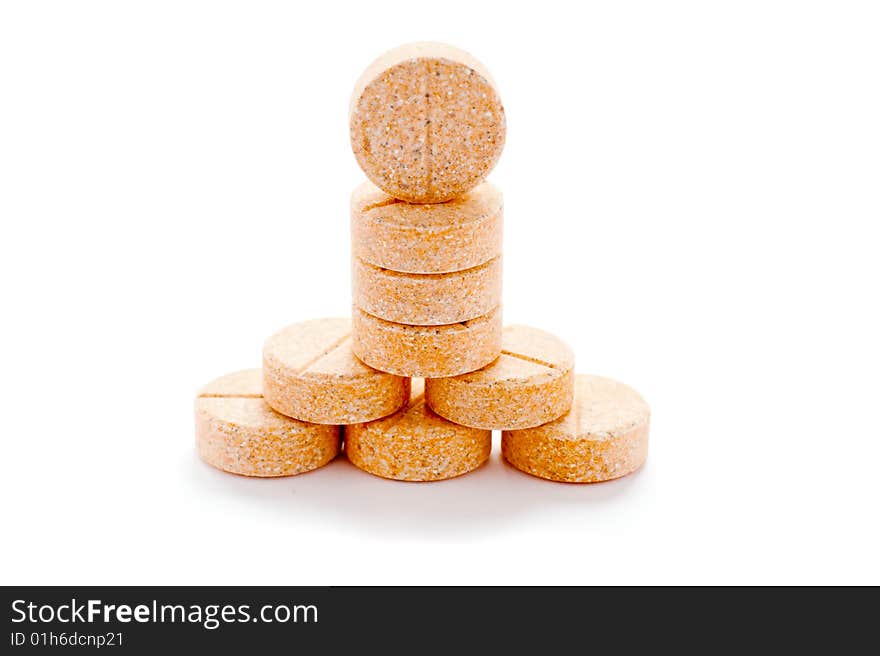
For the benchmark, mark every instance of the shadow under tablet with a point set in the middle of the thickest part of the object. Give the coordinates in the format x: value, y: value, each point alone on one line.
x: 484, y: 501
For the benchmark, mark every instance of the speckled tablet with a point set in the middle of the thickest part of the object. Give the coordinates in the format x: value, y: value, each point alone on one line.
x: 440, y: 238
x: 237, y: 432
x: 603, y: 436
x: 310, y: 373
x: 426, y: 299
x: 531, y: 384
x: 415, y: 444
x: 426, y: 351
x: 426, y: 122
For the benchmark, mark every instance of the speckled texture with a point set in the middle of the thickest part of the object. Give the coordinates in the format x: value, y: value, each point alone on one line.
x: 237, y: 432
x: 416, y: 445
x: 603, y: 436
x: 426, y: 299
x: 426, y: 122
x: 530, y: 384
x: 310, y: 373
x: 453, y: 236
x: 426, y: 351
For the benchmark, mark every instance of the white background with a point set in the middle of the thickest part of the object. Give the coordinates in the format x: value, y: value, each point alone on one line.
x: 692, y: 197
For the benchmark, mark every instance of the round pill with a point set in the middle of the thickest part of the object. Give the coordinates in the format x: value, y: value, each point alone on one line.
x: 427, y: 123
x: 310, y: 373
x: 531, y: 384
x: 426, y: 351
x: 603, y: 436
x: 453, y: 236
x: 415, y: 444
x: 426, y: 299
x: 237, y: 432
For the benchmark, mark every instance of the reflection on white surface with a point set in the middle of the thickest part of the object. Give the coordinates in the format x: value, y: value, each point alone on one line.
x: 487, y: 500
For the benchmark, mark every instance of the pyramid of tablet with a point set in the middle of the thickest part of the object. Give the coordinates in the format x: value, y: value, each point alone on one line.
x: 412, y: 385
